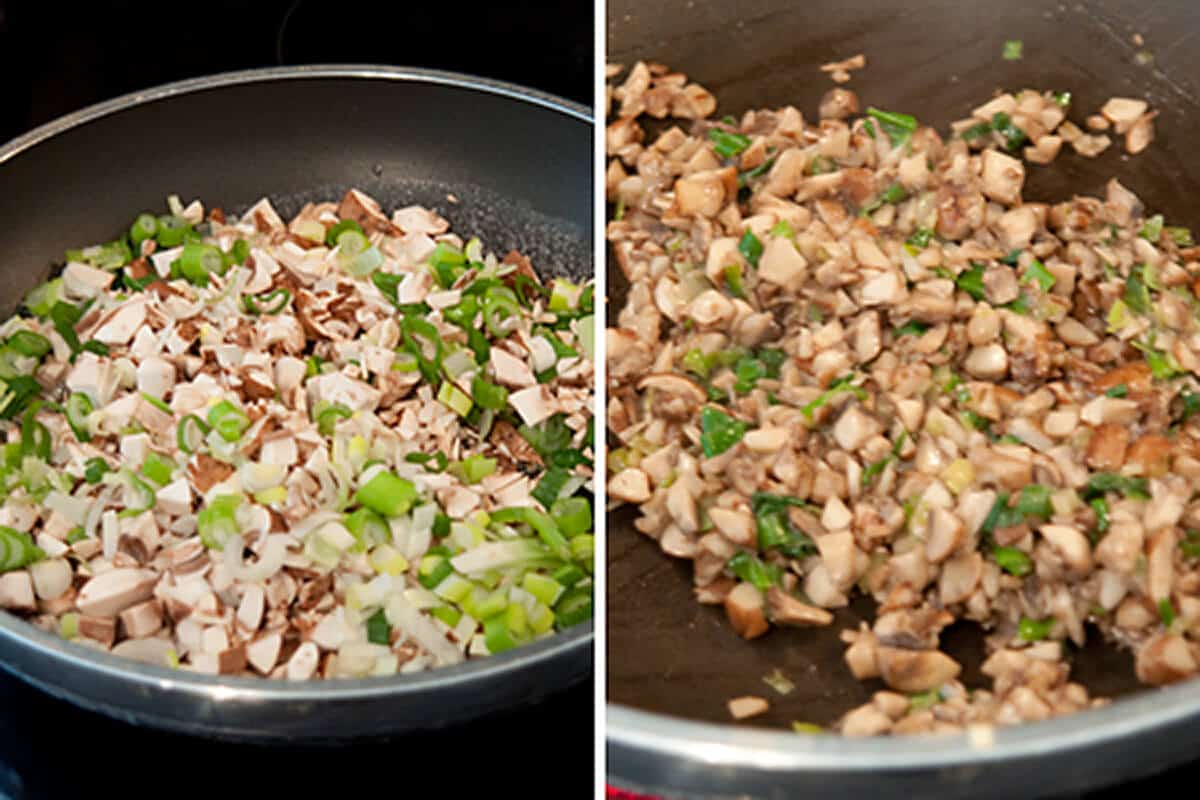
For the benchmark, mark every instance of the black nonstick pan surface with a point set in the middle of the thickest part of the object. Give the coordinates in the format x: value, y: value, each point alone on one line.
x: 936, y: 60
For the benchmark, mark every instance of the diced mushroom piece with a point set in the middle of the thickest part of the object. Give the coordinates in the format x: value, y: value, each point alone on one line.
x: 81, y: 280
x: 1164, y: 659
x: 1107, y: 446
x: 989, y: 363
x: 631, y: 485
x: 1016, y: 227
x: 510, y: 370
x: 110, y: 593
x: 838, y: 103
x: 1003, y: 176
x: 98, y: 629
x: 51, y: 578
x: 702, y: 194
x: 946, y: 533
x: 120, y: 325
x: 303, y: 663
x: 148, y: 651
x: 1140, y: 135
x: 1113, y: 410
x: 883, y: 289
x: 1071, y: 545
x: 745, y: 608
x: 862, y: 656
x: 785, y: 609
x: 854, y: 427
x: 264, y: 216
x: 915, y: 671
x: 766, y: 440
x: 1045, y: 150
x: 748, y: 706
x: 142, y: 620
x: 737, y: 526
x: 263, y: 653
x: 338, y: 387
x: 1123, y: 112
x: 155, y: 377
x: 175, y: 498
x: 534, y: 404
x: 782, y: 264
x: 865, y: 720
x: 16, y: 591
x: 364, y: 210
x: 250, y: 608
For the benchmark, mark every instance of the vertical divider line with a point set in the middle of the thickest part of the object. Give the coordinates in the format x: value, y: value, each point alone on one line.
x: 600, y: 612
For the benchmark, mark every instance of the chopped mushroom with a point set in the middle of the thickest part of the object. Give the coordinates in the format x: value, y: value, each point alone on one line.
x: 748, y: 706
x: 250, y: 447
x: 871, y: 367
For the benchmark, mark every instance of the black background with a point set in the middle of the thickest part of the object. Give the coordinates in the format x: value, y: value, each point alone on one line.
x: 56, y: 57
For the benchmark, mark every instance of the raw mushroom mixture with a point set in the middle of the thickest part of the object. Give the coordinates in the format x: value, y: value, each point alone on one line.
x: 343, y: 446
x: 852, y: 358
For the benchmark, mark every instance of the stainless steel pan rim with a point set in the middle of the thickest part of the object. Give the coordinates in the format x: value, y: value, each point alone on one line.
x: 231, y: 705
x: 267, y: 74
x: 711, y: 748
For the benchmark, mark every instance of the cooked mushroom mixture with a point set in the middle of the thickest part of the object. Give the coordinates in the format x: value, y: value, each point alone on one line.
x: 853, y: 358
x: 344, y: 446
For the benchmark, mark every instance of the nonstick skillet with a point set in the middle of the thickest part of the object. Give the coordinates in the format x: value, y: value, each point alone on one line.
x: 672, y: 664
x: 507, y: 164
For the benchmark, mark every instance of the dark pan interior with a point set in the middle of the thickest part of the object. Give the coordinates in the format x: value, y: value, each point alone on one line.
x: 521, y: 172
x: 935, y: 59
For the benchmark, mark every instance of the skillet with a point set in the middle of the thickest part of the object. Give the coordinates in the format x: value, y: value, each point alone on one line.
x: 519, y: 164
x: 672, y: 664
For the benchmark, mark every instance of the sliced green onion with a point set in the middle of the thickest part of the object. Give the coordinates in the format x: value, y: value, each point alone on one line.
x: 1013, y: 136
x: 719, y: 431
x: 368, y: 528
x: 454, y: 398
x: 42, y: 298
x: 171, y: 230
x: 1120, y: 390
x: 550, y: 486
x: 898, y: 127
x: 186, y: 440
x: 157, y: 402
x: 1100, y: 507
x: 747, y: 567
x: 1152, y: 229
x: 94, y: 469
x: 499, y: 305
x: 272, y: 302
x: 327, y: 415
x: 1038, y: 274
x: 784, y: 229
x: 1013, y: 561
x: 573, y: 515
x: 541, y: 523
x: 217, y: 523
x: 574, y: 607
x: 229, y: 421
x: 337, y: 229
x: 727, y: 144
x: 843, y: 385
x: 239, y: 251
x: 475, y: 468
x: 1032, y: 630
x: 387, y: 494
x: 143, y: 227
x: 17, y: 549
x: 750, y: 247
x: 157, y: 469
x: 488, y: 395
x: 198, y: 261
x: 79, y: 407
x: 448, y: 264
x: 29, y: 344
x: 379, y: 630
x: 971, y: 282
x: 1013, y: 50
x: 1166, y: 612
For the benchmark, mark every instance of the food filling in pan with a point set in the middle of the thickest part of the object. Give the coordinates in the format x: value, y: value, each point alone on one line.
x: 853, y: 359
x: 347, y: 445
